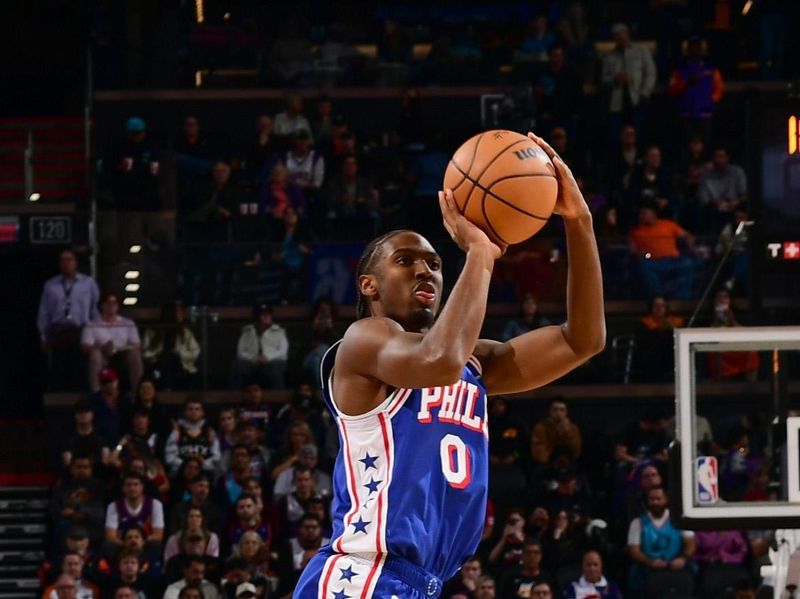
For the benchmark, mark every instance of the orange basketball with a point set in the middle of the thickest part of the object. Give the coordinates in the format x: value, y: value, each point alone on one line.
x: 504, y: 183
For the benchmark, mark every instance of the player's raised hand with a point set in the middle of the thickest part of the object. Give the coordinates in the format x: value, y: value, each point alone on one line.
x: 570, y: 203
x: 462, y: 231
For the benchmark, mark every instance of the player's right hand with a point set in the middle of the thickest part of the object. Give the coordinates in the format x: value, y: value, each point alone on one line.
x: 462, y: 231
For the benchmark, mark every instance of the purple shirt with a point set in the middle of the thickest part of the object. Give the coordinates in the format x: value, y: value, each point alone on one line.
x: 65, y: 302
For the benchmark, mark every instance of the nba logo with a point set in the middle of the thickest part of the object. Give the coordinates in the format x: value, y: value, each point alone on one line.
x: 707, y: 487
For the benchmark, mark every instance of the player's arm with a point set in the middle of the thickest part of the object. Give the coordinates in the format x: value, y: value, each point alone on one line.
x: 540, y: 356
x: 381, y: 350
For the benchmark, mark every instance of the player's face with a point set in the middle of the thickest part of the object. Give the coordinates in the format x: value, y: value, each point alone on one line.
x: 409, y: 281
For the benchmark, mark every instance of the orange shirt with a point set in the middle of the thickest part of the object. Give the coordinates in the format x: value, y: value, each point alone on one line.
x: 659, y: 240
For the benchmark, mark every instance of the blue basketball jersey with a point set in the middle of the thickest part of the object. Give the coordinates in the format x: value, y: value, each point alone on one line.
x: 411, y: 476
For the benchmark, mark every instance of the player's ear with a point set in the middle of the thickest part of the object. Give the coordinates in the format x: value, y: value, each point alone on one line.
x: 368, y: 286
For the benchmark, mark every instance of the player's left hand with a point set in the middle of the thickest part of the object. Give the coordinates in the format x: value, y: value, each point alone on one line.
x: 569, y: 203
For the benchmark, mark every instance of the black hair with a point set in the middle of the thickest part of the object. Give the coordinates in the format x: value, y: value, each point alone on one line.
x: 365, y: 265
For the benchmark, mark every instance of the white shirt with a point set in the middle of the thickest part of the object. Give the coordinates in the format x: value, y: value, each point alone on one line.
x: 121, y: 332
x: 307, y: 170
x: 286, y: 125
x: 83, y: 591
x: 272, y: 343
x: 112, y: 518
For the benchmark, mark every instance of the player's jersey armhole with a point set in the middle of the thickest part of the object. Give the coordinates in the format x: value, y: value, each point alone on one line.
x: 474, y: 364
x: 327, y: 389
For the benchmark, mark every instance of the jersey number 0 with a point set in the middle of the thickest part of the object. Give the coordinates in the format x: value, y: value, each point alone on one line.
x: 456, y: 461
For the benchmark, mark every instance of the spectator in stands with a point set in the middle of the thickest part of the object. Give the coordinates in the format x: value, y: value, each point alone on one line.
x: 68, y: 303
x: 141, y: 442
x: 64, y: 587
x: 262, y: 350
x: 592, y: 582
x: 738, y: 267
x: 650, y: 182
x: 486, y: 588
x: 694, y: 164
x: 194, y: 572
x: 77, y: 500
x: 291, y: 507
x: 128, y: 574
x: 257, y: 565
x: 291, y: 119
x: 194, y: 157
x: 306, y: 167
x: 134, y: 180
x: 281, y: 193
x: 555, y: 438
x: 209, y: 219
x: 465, y: 581
x: 729, y: 364
x: 151, y: 468
x: 263, y: 152
x: 193, y: 524
x: 307, y: 457
x: 134, y: 508
x: 698, y: 87
x: 191, y: 544
x: 629, y: 78
x: 353, y: 203
x: 247, y: 517
x: 537, y: 41
x: 299, y: 550
x: 170, y: 350
x: 655, y: 242
x: 655, y: 545
x: 112, y: 340
x: 574, y: 30
x: 322, y: 124
x: 529, y: 318
x: 323, y: 335
x: 644, y: 440
x: 150, y: 564
x: 146, y: 399
x: 720, y: 547
x: 645, y: 477
x: 199, y: 494
x: 542, y: 590
x: 519, y: 581
x: 85, y: 441
x: 621, y: 164
x: 254, y: 408
x: 571, y: 494
x: 507, y: 553
x: 300, y: 415
x: 394, y: 45
x: 226, y: 427
x: 564, y: 541
x: 654, y: 335
x: 562, y: 94
x: 192, y: 436
x: 508, y: 449
x: 258, y: 456
x: 231, y: 482
x: 72, y: 569
x: 111, y: 409
x: 294, y: 239
x: 721, y: 190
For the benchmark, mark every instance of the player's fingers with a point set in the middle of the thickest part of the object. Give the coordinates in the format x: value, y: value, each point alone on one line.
x: 446, y: 213
x: 544, y: 145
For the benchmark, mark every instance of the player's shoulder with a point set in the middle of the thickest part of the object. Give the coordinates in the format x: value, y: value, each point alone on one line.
x: 369, y: 331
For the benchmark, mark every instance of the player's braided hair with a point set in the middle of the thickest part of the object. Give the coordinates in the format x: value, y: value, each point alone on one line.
x: 365, y: 265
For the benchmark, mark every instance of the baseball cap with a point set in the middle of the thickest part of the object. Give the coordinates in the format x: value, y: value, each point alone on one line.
x: 246, y: 588
x: 309, y: 449
x: 135, y: 124
x: 108, y: 375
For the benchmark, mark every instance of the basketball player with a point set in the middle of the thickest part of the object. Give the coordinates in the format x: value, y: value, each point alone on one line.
x: 408, y: 391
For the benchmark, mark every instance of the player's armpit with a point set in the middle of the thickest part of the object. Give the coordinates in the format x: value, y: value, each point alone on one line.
x: 527, y: 361
x: 380, y: 349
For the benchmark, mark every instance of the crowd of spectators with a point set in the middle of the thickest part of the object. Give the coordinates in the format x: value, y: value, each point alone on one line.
x: 151, y: 502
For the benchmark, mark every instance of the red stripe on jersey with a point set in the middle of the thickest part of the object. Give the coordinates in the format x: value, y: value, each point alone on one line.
x: 371, y: 576
x: 352, y: 485
x: 328, y: 576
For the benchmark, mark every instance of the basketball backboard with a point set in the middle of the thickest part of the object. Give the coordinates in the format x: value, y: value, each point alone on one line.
x: 736, y: 460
